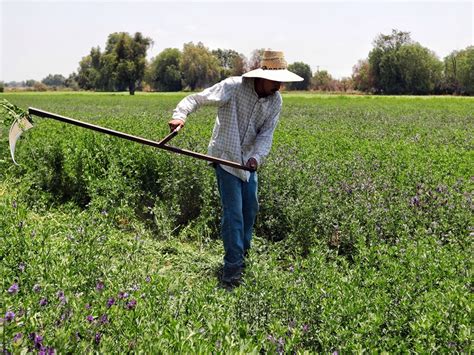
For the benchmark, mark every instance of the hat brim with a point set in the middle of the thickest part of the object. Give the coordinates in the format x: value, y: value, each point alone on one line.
x: 281, y: 75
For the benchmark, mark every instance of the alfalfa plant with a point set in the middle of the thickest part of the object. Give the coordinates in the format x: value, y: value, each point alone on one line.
x: 9, y: 113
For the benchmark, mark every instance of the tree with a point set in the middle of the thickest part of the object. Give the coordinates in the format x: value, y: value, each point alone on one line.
x: 322, y: 80
x: 451, y: 83
x: 88, y: 73
x: 466, y: 71
x: 129, y: 53
x: 384, y: 68
x: 362, y: 76
x: 231, y: 62
x: 120, y: 67
x: 71, y: 82
x: 393, y: 41
x: 420, y: 69
x: 255, y: 58
x: 346, y: 84
x: 459, y: 72
x: 399, y: 65
x: 199, y: 67
x: 238, y: 66
x: 54, y: 80
x: 303, y: 70
x: 164, y: 73
x: 30, y: 83
x: 108, y: 76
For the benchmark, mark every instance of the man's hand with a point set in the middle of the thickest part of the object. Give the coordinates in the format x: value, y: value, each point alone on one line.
x: 175, y: 124
x: 252, y: 164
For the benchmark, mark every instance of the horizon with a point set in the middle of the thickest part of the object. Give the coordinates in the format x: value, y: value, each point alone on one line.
x: 331, y: 36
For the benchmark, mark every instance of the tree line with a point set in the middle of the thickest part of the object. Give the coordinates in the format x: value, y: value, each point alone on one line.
x: 396, y: 65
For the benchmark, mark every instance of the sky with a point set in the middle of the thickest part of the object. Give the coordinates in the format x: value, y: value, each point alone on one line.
x: 38, y: 38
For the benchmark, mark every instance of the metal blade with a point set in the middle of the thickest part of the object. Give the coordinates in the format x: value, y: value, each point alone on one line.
x: 17, y: 128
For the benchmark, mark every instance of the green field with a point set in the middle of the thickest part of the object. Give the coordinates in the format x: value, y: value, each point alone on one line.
x: 363, y: 240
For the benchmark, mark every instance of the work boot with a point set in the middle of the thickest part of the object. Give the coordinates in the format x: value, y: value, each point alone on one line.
x: 232, y: 278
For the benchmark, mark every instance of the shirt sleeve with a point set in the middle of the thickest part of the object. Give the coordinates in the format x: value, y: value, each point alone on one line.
x: 216, y: 95
x: 263, y: 141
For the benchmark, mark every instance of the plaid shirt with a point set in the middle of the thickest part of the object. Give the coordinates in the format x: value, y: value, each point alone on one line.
x: 244, y: 125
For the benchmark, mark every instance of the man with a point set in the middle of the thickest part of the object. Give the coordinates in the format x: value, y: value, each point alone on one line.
x: 248, y: 111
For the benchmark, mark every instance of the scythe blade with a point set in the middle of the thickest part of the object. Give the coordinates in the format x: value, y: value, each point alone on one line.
x: 17, y: 128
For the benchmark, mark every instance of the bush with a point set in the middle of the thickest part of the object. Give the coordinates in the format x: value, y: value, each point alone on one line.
x: 40, y: 87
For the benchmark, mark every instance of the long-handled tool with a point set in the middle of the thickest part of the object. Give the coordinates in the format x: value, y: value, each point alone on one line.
x: 19, y: 126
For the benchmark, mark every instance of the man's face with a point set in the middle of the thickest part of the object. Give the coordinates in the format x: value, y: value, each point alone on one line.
x: 264, y: 87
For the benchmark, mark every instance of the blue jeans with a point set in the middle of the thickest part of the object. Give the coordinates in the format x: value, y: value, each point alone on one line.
x: 240, y: 207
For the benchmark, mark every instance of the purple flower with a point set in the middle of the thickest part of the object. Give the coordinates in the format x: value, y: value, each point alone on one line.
x: 148, y: 279
x: 36, y: 288
x: 97, y: 338
x: 415, y: 201
x: 61, y: 297
x: 17, y: 337
x: 22, y: 266
x: 90, y: 318
x: 305, y: 328
x: 46, y: 351
x: 110, y: 302
x: 280, y: 346
x: 88, y: 306
x: 66, y: 315
x: 271, y: 338
x: 100, y: 286
x: 104, y: 319
x: 13, y: 290
x: 9, y: 316
x: 43, y: 302
x: 131, y: 304
x: 38, y: 340
x: 122, y: 295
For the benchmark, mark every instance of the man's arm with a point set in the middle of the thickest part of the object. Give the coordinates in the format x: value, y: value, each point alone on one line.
x: 217, y: 94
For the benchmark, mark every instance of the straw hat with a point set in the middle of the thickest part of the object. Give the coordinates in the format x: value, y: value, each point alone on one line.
x: 273, y: 66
